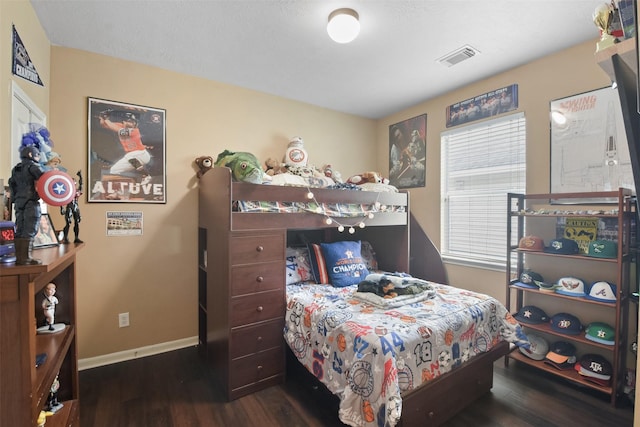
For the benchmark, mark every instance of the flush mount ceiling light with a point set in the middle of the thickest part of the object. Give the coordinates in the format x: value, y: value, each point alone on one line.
x: 343, y: 26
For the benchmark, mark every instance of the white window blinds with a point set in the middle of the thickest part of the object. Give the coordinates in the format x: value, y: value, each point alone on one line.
x: 481, y: 163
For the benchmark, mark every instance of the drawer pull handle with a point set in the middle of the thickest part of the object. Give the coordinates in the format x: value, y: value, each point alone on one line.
x: 260, y: 248
x: 259, y: 339
x: 259, y: 309
x: 259, y: 367
x: 431, y: 414
x: 259, y: 279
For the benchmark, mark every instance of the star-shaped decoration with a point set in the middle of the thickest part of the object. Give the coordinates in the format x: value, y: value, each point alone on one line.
x: 59, y: 188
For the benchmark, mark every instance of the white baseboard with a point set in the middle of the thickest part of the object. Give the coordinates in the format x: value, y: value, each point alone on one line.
x: 121, y: 356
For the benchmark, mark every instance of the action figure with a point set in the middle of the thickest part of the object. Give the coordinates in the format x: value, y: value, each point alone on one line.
x: 53, y: 405
x: 72, y: 212
x: 24, y: 196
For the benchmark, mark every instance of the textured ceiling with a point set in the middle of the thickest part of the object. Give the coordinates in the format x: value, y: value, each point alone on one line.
x: 281, y: 47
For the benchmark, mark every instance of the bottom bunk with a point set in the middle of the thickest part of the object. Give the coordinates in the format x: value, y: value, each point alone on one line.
x: 408, y: 363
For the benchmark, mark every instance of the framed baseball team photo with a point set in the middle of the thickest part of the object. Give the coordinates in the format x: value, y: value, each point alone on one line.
x: 126, y: 148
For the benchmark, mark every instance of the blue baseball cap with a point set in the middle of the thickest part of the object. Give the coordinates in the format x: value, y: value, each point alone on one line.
x: 562, y: 246
x: 566, y: 323
x: 531, y: 314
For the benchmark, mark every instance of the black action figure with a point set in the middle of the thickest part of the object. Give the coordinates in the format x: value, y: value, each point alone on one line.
x: 72, y: 212
x: 24, y: 196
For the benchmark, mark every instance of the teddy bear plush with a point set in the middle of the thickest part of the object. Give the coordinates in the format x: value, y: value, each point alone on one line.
x: 203, y: 163
x: 274, y: 167
x: 364, y: 177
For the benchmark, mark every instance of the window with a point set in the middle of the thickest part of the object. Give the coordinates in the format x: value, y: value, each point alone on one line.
x: 481, y: 163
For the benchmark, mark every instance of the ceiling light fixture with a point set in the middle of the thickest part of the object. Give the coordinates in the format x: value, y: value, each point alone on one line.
x: 343, y: 26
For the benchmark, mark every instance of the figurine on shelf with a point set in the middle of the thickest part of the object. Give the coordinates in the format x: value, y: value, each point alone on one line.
x: 72, y: 212
x: 53, y: 405
x: 24, y: 196
x: 49, y: 303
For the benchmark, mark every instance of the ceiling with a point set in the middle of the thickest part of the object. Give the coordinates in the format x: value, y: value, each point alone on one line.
x: 281, y: 47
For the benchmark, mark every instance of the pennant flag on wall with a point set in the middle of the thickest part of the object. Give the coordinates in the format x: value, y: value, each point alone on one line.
x: 22, y: 65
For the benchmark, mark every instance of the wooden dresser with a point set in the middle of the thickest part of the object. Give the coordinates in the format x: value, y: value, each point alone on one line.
x: 24, y: 389
x: 241, y: 303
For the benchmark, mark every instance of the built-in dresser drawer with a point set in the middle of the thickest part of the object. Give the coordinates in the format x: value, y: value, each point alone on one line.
x: 254, y: 339
x: 257, y: 248
x: 255, y: 368
x: 252, y: 278
x: 257, y: 307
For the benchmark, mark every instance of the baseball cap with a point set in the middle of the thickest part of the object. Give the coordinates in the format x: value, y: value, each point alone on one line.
x: 531, y: 243
x: 528, y: 279
x: 547, y: 287
x: 538, y: 348
x: 566, y: 323
x: 562, y: 246
x: 603, y: 249
x: 531, y: 314
x: 600, y: 332
x: 595, y: 366
x: 602, y: 291
x: 561, y: 355
x: 570, y: 286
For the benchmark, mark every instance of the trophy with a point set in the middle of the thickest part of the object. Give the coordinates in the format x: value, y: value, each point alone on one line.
x: 602, y: 17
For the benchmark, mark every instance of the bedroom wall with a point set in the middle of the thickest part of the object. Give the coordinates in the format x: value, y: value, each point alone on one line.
x: 566, y: 73
x: 153, y: 277
x: 21, y: 14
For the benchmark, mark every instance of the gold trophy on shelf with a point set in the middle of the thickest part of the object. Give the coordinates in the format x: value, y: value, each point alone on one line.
x: 602, y: 17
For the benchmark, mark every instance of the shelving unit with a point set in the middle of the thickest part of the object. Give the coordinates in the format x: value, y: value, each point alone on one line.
x: 538, y: 215
x: 24, y: 389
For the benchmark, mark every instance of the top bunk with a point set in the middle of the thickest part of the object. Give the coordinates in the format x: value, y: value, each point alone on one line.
x: 238, y: 206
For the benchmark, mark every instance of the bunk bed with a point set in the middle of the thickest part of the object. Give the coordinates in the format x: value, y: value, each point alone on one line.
x: 246, y: 307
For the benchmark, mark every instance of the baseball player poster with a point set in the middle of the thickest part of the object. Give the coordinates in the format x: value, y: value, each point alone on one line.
x: 127, y: 147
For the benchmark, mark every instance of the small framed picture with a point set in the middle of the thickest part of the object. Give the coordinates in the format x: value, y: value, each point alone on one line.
x: 46, y: 234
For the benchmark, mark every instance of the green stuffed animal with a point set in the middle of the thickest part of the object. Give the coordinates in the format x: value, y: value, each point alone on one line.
x: 244, y: 166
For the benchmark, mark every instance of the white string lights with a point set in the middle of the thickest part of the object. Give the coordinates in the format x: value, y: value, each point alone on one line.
x: 321, y: 210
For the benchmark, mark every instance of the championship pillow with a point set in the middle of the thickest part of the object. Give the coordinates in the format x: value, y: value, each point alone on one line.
x: 344, y: 263
x: 298, y: 266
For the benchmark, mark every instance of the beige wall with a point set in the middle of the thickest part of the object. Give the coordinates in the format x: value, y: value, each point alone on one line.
x: 566, y: 73
x: 20, y: 14
x: 153, y: 277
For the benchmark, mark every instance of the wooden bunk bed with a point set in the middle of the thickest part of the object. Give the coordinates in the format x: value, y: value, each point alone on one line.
x: 242, y: 285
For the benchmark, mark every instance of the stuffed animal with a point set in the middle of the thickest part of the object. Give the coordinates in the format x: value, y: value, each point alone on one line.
x: 274, y: 167
x: 364, y: 177
x: 244, y: 166
x: 330, y: 172
x: 204, y: 163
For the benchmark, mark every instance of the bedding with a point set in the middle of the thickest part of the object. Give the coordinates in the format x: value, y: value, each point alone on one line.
x: 370, y: 356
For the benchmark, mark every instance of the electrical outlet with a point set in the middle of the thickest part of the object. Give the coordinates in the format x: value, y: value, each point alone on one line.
x: 123, y: 320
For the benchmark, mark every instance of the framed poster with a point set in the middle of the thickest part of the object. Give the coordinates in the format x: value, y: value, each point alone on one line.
x: 126, y: 151
x: 46, y: 234
x: 589, y: 150
x: 408, y: 152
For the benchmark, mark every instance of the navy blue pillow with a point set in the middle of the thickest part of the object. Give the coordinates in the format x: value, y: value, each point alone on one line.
x: 344, y: 263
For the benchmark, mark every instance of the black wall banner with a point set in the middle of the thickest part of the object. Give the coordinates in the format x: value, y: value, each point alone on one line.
x: 22, y: 65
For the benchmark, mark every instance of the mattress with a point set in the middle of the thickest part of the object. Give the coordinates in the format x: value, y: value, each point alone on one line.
x: 369, y: 355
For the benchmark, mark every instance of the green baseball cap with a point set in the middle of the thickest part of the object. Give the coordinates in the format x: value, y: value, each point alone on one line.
x: 603, y: 249
x: 600, y: 332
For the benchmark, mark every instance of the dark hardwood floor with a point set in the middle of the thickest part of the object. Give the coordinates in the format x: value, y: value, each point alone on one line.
x: 175, y: 390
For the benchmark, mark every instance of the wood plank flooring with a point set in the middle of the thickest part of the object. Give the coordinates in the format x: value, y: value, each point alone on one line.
x: 175, y: 389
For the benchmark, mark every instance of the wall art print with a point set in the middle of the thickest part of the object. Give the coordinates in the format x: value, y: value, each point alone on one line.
x: 589, y: 150
x: 483, y: 106
x: 408, y: 152
x: 126, y: 148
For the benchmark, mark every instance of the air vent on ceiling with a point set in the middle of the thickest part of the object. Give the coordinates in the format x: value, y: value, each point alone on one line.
x: 458, y: 56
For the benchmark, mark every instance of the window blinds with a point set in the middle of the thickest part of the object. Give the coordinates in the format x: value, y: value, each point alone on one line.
x: 481, y: 163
